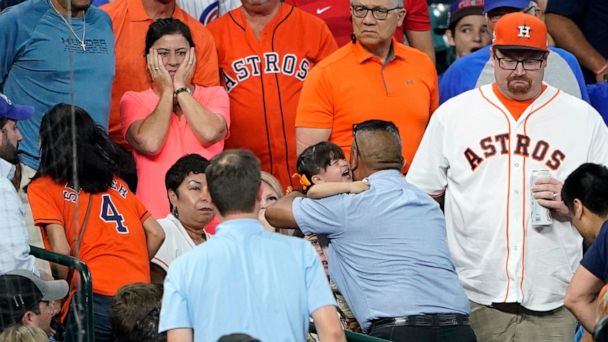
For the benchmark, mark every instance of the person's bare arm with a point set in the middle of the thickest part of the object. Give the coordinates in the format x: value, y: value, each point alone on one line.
x: 333, y: 188
x: 306, y: 136
x: 179, y: 335
x: 154, y: 236
x: 568, y: 36
x: 280, y: 213
x: 423, y: 41
x: 147, y: 136
x: 157, y: 274
x: 209, y: 127
x: 580, y: 296
x: 327, y: 324
x: 59, y: 244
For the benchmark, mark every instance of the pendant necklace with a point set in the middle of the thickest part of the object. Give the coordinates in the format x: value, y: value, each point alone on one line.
x: 84, y: 26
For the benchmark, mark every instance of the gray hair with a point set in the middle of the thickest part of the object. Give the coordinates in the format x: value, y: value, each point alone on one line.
x: 395, y: 3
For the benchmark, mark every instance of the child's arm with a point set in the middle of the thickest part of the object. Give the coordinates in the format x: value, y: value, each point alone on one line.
x: 333, y: 188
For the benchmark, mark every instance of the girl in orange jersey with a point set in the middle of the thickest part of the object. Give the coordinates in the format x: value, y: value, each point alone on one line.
x: 87, y: 211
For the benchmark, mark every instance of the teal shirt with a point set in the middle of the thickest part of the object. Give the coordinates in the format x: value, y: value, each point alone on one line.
x: 42, y: 64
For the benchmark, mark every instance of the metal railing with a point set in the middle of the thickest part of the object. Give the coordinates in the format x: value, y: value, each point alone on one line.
x: 83, y: 299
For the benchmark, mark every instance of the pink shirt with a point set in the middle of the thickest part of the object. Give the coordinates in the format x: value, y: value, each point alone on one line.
x: 180, y: 141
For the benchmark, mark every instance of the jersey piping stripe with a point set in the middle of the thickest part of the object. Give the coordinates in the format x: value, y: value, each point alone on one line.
x: 508, y: 194
x: 276, y: 78
x: 48, y: 221
x: 144, y: 215
x: 236, y: 22
x: 524, y: 226
x: 161, y: 261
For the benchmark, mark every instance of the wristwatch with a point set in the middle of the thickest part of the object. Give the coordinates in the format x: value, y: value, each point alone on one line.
x: 181, y: 90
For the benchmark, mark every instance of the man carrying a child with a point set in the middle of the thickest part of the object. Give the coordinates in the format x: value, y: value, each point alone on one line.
x: 388, y: 253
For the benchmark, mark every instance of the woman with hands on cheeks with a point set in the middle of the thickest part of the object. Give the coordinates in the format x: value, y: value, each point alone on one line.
x: 174, y: 117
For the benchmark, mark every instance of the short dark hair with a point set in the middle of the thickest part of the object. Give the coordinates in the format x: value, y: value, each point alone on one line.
x: 588, y: 183
x: 233, y: 178
x: 3, y: 121
x: 387, y: 155
x: 134, y: 313
x: 98, y: 157
x: 165, y: 26
x: 190, y: 163
x: 316, y: 157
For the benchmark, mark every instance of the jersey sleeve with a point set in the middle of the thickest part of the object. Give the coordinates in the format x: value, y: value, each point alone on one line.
x: 598, y: 151
x: 174, y: 308
x: 417, y: 16
x: 576, y: 70
x: 327, y: 43
x: 429, y: 168
x: 43, y: 201
x: 315, y: 107
x: 595, y: 258
x: 323, y: 216
x: 317, y: 287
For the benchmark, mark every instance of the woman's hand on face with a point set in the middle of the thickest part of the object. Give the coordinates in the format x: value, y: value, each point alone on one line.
x: 160, y: 76
x: 183, y: 75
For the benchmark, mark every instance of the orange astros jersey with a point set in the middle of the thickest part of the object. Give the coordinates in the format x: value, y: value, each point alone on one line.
x: 264, y: 77
x: 114, y: 244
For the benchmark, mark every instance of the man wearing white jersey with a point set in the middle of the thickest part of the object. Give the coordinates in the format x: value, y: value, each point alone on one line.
x: 478, y: 154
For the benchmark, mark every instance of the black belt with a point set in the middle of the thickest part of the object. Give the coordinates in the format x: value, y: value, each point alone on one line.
x: 430, y: 320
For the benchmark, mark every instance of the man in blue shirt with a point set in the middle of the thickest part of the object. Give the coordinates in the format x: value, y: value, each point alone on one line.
x: 388, y: 253
x: 246, y: 279
x: 48, y: 55
x: 585, y: 193
x: 474, y: 70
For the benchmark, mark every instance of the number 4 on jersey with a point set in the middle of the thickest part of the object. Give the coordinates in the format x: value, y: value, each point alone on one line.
x: 110, y: 214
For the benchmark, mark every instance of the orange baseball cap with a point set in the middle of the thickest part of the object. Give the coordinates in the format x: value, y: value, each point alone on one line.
x: 520, y: 31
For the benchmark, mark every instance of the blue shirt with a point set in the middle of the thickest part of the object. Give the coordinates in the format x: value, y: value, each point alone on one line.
x: 388, y: 253
x: 474, y: 70
x: 596, y: 258
x: 247, y: 280
x: 38, y: 54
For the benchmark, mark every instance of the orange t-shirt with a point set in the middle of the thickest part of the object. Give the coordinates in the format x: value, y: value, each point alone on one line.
x: 352, y: 86
x: 516, y: 108
x: 114, y: 243
x: 264, y: 79
x: 130, y: 23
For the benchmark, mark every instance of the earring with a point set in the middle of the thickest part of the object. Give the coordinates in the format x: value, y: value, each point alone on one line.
x: 175, y: 212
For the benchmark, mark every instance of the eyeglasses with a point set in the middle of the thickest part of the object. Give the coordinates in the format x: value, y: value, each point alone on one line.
x: 529, y: 64
x: 379, y: 13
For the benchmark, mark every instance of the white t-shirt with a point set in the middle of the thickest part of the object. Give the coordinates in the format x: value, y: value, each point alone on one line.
x: 177, y: 242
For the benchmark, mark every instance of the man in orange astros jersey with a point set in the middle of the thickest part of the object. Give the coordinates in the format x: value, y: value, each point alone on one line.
x: 130, y: 22
x: 265, y: 51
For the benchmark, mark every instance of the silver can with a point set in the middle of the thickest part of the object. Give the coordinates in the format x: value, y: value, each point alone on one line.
x: 541, y: 216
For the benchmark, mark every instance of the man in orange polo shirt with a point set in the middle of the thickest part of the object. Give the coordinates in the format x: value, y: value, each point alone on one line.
x: 374, y: 78
x: 130, y: 22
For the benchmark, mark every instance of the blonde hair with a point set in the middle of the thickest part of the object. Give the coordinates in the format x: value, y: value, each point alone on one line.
x: 23, y: 333
x: 273, y: 182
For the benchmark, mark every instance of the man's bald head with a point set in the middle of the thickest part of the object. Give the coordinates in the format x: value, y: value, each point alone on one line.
x: 377, y: 145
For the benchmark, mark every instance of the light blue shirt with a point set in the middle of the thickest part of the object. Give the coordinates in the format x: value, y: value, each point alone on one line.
x: 246, y: 280
x: 14, y: 244
x: 42, y: 64
x: 474, y: 70
x: 388, y: 253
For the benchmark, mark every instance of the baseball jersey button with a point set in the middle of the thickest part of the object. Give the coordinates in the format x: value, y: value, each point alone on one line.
x: 516, y: 164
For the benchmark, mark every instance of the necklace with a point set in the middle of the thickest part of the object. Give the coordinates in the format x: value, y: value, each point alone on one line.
x: 84, y: 26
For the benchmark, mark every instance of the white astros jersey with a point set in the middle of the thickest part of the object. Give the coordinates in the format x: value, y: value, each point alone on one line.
x: 475, y: 151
